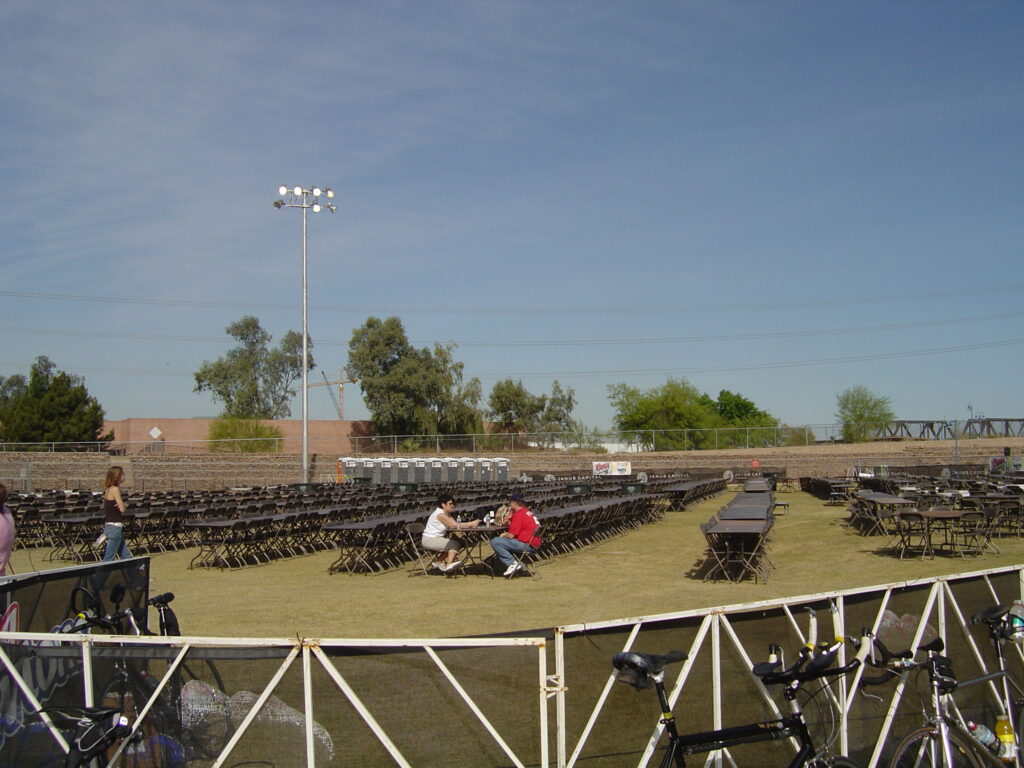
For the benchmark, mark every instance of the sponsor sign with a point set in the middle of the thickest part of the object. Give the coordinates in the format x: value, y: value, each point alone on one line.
x: 612, y: 468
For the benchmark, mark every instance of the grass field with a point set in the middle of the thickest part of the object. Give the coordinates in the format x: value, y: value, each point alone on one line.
x: 648, y: 571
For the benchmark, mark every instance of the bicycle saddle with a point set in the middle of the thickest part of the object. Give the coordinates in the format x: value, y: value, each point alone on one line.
x: 639, y: 669
x: 991, y: 615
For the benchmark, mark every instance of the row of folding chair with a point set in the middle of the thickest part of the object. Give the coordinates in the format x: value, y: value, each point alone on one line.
x: 370, y: 546
x: 911, y: 533
x: 256, y: 540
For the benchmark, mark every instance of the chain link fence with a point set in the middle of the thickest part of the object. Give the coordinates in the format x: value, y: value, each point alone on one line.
x: 497, y: 443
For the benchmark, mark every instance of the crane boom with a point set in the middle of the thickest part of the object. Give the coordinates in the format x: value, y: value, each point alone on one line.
x: 339, y: 398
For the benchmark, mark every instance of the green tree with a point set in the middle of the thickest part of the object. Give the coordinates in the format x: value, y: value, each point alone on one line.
x: 50, y: 406
x: 458, y: 402
x: 558, y: 406
x: 794, y: 436
x: 514, y: 407
x: 645, y: 416
x: 747, y: 424
x: 586, y: 439
x: 411, y: 391
x: 233, y: 435
x: 254, y: 381
x: 862, y: 413
x: 676, y: 416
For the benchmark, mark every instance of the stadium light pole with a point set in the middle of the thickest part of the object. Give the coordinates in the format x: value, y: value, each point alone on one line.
x: 306, y: 200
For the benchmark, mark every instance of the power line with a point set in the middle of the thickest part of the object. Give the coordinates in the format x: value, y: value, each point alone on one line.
x: 447, y: 309
x: 765, y: 366
x: 620, y: 372
x: 743, y: 336
x: 556, y: 342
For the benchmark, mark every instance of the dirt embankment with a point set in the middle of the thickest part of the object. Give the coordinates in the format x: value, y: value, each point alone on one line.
x: 831, y: 459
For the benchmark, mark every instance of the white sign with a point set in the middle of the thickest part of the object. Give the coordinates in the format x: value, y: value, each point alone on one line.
x: 155, y: 433
x: 617, y: 468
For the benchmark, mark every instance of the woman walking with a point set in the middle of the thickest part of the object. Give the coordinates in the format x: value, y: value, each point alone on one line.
x: 6, y: 531
x: 113, y: 509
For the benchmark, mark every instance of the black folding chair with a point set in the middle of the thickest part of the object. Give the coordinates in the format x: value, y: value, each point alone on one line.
x: 528, y: 555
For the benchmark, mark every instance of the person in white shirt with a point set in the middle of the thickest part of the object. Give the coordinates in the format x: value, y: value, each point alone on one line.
x: 435, y: 535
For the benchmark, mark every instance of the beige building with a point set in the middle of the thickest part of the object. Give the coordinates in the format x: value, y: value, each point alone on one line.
x: 158, y: 435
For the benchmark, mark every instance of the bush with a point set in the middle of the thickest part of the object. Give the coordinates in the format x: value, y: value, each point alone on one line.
x: 243, y: 436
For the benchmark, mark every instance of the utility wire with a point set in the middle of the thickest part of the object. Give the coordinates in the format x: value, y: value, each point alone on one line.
x: 557, y: 342
x: 448, y: 309
x: 625, y: 371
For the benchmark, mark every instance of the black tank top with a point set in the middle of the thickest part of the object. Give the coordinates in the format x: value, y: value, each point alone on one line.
x: 111, y: 514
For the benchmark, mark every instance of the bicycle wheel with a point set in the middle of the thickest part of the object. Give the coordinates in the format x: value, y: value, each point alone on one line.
x: 922, y: 748
x: 84, y: 599
x: 159, y: 740
x: 842, y: 761
x: 205, y: 670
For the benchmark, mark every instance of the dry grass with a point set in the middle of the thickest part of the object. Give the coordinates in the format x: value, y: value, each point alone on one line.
x: 649, y: 571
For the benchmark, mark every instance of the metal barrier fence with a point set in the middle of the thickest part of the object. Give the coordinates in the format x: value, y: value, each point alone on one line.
x: 281, y: 702
x: 484, y: 701
x: 715, y: 688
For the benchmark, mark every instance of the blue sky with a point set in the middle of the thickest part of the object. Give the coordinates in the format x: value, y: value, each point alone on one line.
x: 782, y: 199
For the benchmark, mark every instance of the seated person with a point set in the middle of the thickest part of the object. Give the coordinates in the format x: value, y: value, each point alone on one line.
x: 435, y: 537
x: 519, y: 537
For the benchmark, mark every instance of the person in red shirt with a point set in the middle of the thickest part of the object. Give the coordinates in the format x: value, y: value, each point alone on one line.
x: 519, y: 537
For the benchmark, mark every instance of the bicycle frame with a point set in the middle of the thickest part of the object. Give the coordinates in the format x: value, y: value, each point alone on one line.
x: 793, y: 725
x: 940, y: 718
x: 954, y: 723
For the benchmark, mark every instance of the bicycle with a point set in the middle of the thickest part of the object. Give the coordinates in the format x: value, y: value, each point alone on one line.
x: 97, y: 729
x: 1004, y: 624
x: 166, y: 726
x: 814, y: 662
x: 89, y: 735
x: 944, y: 739
x: 201, y: 734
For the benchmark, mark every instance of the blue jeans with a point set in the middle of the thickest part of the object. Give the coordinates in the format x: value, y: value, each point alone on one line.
x: 116, y: 548
x: 504, y: 547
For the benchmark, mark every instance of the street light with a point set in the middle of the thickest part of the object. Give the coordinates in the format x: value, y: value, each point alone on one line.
x: 306, y: 199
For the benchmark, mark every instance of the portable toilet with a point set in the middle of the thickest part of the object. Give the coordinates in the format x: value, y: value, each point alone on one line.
x: 483, y: 470
x: 452, y: 470
x: 363, y: 470
x: 468, y: 468
x: 501, y: 470
x: 419, y: 470
x: 435, y: 467
x: 385, y: 467
x: 402, y: 472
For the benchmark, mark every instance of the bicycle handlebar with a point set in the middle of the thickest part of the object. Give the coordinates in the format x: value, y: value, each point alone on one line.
x: 108, y: 621
x: 812, y: 667
x: 894, y: 664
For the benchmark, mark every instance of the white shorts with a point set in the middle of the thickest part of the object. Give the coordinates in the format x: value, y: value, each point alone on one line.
x: 439, y: 544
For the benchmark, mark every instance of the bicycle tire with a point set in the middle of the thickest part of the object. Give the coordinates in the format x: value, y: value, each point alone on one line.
x: 207, y: 728
x: 1018, y: 707
x: 921, y: 748
x: 210, y: 673
x: 90, y: 601
x: 842, y: 761
x: 163, y: 727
